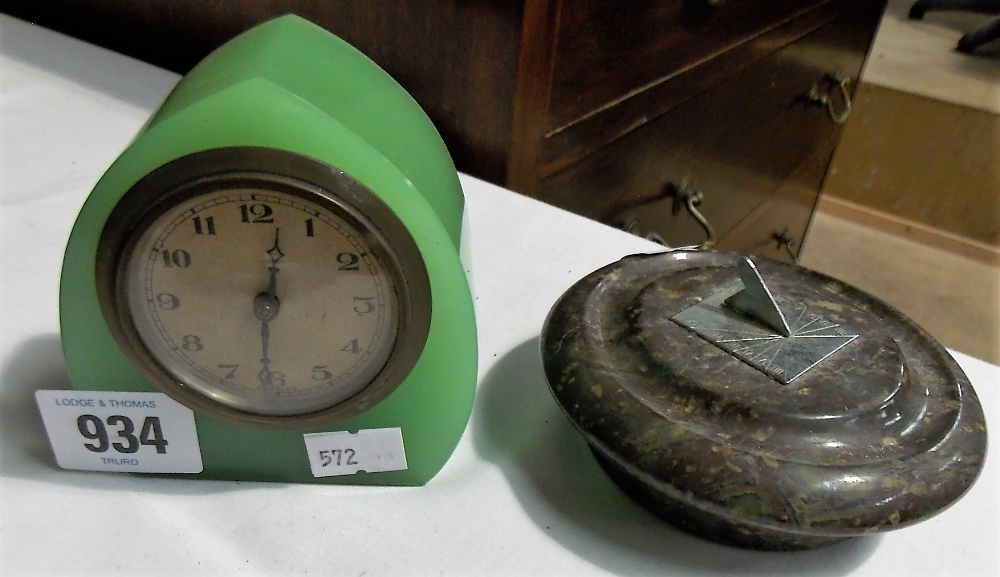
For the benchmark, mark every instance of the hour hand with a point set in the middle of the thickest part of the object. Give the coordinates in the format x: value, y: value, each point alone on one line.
x: 266, y: 304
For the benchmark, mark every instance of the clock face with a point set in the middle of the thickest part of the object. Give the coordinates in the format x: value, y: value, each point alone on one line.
x: 263, y: 298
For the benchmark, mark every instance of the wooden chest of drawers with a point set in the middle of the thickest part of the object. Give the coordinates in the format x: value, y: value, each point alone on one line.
x: 599, y: 106
x: 717, y: 102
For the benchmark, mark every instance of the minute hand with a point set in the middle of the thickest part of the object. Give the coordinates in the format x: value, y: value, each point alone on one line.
x: 265, y: 307
x: 275, y: 253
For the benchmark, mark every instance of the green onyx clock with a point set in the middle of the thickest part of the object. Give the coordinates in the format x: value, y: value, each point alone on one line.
x: 278, y: 250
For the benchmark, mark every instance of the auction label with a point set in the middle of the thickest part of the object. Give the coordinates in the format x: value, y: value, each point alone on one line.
x: 118, y: 431
x: 344, y: 453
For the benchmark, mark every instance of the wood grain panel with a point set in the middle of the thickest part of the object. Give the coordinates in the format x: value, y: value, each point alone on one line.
x: 534, y: 83
x: 571, y: 143
x: 738, y: 143
x: 608, y: 48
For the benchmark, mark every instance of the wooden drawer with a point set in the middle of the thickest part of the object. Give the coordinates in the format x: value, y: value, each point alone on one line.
x: 569, y: 144
x: 607, y: 49
x: 777, y: 227
x: 738, y: 143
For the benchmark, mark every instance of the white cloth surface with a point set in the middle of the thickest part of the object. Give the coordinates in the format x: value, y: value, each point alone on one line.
x: 521, y: 495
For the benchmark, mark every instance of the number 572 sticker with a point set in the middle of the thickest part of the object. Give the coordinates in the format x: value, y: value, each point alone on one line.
x: 344, y: 453
x: 117, y: 431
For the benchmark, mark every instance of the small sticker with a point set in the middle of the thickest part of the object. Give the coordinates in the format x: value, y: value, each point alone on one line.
x: 344, y: 453
x: 120, y: 431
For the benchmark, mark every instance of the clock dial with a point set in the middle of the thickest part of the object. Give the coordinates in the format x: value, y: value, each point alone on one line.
x: 284, y: 297
x: 264, y: 301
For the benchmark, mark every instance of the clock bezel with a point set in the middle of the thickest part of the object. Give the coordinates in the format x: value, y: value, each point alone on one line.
x: 283, y: 172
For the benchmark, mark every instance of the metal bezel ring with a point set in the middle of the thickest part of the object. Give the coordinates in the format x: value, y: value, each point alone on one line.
x: 287, y: 173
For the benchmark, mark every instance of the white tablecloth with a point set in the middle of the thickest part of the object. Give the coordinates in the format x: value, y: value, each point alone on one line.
x: 521, y: 495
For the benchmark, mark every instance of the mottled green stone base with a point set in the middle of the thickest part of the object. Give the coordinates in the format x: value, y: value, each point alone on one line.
x: 704, y: 523
x: 884, y: 433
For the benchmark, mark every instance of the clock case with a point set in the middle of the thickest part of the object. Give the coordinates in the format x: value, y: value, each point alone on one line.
x: 291, y: 86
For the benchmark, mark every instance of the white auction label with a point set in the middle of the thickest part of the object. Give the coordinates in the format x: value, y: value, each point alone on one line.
x: 344, y: 453
x: 119, y: 431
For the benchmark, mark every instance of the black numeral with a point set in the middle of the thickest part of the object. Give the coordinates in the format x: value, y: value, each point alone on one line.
x: 309, y: 228
x: 192, y: 343
x: 352, y: 347
x: 208, y: 228
x: 321, y: 374
x: 126, y: 432
x: 152, y: 435
x: 366, y: 304
x: 179, y: 258
x: 92, y: 428
x: 167, y: 301
x: 231, y: 374
x: 348, y: 261
x: 337, y: 456
x: 100, y: 433
x: 256, y: 213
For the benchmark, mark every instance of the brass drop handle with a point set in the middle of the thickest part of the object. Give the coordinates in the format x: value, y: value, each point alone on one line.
x: 832, y: 80
x: 787, y: 242
x: 686, y: 196
x: 631, y: 225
